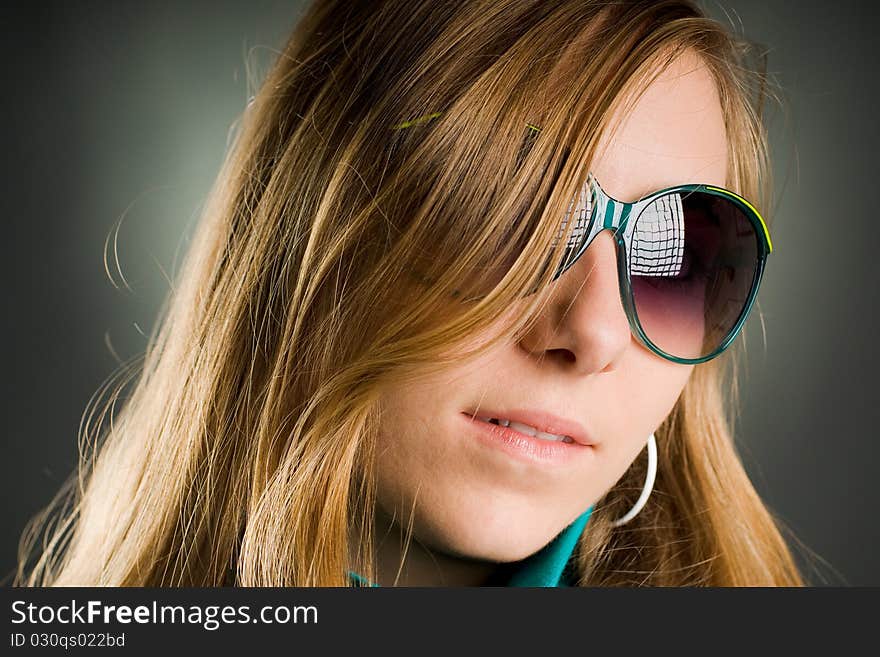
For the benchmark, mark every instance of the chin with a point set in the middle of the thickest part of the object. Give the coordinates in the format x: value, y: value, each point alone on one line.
x: 489, y: 532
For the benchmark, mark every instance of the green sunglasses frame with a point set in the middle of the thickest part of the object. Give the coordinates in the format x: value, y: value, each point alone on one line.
x: 618, y: 221
x: 622, y: 223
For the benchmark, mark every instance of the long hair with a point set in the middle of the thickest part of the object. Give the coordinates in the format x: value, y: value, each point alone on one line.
x: 383, y: 201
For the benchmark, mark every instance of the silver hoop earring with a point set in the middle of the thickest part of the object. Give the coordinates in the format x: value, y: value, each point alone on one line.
x: 646, y: 489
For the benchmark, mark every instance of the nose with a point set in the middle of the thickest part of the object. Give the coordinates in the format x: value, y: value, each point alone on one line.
x: 584, y: 326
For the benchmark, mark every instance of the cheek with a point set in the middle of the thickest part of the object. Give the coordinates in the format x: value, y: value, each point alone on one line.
x: 402, y: 459
x: 641, y: 399
x: 648, y: 393
x: 413, y: 459
x: 423, y: 480
x: 660, y: 385
x: 663, y: 384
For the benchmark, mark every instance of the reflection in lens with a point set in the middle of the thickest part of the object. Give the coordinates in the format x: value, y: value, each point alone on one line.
x: 580, y: 214
x: 692, y: 265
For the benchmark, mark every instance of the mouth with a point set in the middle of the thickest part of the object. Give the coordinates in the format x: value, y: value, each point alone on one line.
x: 536, y: 424
x: 523, y: 441
x: 526, y: 429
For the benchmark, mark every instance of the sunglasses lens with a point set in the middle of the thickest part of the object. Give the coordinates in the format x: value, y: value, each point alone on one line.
x: 693, y: 264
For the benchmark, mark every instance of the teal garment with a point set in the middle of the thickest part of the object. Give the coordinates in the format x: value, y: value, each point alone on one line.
x: 547, y: 567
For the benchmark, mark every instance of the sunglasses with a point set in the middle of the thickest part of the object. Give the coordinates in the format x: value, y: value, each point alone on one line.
x: 690, y: 260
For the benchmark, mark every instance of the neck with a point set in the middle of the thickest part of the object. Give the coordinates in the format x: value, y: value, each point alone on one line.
x: 421, y: 565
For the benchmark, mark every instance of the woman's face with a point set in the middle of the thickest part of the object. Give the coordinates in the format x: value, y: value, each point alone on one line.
x: 474, y: 495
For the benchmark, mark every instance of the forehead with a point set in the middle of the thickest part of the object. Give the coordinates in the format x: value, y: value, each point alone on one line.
x: 673, y: 134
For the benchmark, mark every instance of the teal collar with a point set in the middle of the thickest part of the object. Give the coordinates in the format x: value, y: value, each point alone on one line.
x: 546, y: 567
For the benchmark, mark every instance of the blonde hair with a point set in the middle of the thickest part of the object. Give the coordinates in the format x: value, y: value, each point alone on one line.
x: 337, y: 255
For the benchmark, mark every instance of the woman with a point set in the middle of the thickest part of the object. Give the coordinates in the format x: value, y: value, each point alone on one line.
x: 438, y: 219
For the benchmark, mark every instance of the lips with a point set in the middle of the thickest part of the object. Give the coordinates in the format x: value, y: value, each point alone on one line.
x: 540, y: 420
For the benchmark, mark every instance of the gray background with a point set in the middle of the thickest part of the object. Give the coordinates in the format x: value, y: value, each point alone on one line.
x: 117, y: 114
